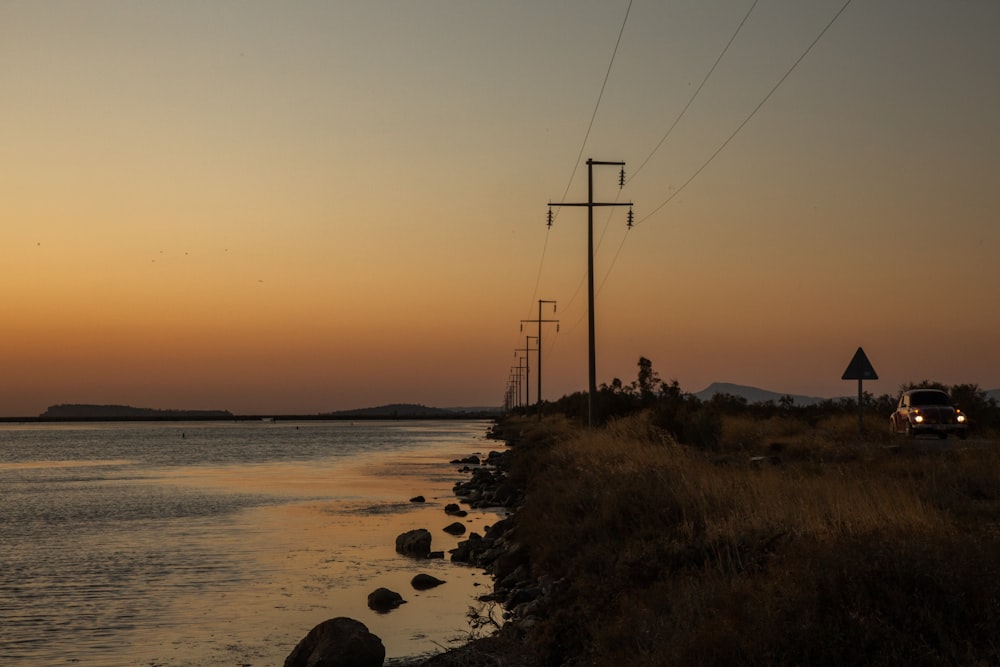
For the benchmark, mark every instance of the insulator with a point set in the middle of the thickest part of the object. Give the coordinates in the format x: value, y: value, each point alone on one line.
x: 621, y: 178
x: 557, y: 327
x: 631, y: 217
x: 550, y: 217
x: 553, y: 306
x: 522, y: 326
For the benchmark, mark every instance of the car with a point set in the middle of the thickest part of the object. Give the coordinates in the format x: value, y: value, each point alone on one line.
x: 928, y: 411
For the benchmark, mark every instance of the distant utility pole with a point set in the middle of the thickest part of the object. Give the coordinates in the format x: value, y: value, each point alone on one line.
x: 520, y: 373
x: 527, y: 349
x: 515, y: 377
x: 590, y: 204
x: 509, y: 395
x: 514, y: 389
x: 538, y: 338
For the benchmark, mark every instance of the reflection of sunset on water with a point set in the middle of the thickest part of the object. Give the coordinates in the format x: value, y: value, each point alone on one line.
x: 27, y: 465
x: 232, y: 553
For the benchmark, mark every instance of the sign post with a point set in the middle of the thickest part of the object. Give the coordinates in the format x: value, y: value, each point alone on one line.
x: 860, y: 369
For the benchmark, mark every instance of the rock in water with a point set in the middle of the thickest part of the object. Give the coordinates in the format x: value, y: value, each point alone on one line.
x: 423, y: 581
x: 455, y: 510
x: 455, y: 528
x: 383, y: 600
x: 414, y: 543
x: 338, y: 642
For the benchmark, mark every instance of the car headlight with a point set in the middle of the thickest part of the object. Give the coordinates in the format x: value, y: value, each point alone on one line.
x: 960, y: 418
x: 918, y: 418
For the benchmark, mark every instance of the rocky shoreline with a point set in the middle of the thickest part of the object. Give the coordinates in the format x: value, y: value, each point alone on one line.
x: 345, y: 641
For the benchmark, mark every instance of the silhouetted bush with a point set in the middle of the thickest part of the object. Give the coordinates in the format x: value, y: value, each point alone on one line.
x: 784, y: 542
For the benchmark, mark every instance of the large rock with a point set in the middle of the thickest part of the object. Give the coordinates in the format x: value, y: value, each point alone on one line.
x: 415, y: 543
x: 513, y: 559
x: 383, y: 600
x: 338, y: 642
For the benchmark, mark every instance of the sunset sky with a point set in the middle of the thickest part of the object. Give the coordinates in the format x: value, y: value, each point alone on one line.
x: 299, y: 207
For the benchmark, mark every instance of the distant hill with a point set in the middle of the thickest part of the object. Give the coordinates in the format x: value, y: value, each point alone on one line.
x: 89, y: 412
x: 412, y: 411
x: 752, y: 394
x: 79, y: 411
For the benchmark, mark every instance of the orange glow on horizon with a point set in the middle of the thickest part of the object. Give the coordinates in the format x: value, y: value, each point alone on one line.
x: 196, y: 215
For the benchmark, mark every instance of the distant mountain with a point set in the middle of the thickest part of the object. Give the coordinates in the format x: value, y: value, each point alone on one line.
x: 411, y: 411
x: 752, y: 394
x: 392, y: 410
x: 82, y: 411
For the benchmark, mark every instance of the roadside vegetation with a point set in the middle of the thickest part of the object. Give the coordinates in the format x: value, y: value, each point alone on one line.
x: 683, y: 532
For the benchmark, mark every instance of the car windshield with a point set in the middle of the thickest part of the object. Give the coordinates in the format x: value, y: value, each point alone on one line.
x: 929, y: 398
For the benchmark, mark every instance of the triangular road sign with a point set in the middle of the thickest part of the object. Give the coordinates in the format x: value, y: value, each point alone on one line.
x: 860, y: 368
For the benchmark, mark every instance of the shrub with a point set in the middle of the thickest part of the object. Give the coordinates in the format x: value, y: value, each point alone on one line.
x: 842, y: 552
x: 689, y: 421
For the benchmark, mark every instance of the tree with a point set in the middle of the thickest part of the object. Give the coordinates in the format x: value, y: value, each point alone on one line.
x: 923, y: 384
x: 728, y: 403
x: 977, y: 404
x: 671, y: 391
x: 971, y: 397
x: 615, y: 387
x: 647, y: 381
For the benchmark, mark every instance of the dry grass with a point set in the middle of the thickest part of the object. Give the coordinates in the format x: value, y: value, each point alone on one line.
x: 790, y: 545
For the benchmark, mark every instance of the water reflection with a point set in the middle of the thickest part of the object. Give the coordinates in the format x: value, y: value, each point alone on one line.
x: 141, y: 557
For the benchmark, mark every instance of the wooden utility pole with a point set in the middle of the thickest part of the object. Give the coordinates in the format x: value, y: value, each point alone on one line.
x: 538, y: 343
x: 519, y: 374
x: 590, y: 204
x: 527, y: 349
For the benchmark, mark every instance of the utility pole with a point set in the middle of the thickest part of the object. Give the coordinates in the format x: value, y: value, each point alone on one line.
x: 515, y: 387
x: 527, y: 349
x: 590, y: 204
x: 519, y: 368
x: 509, y: 396
x: 538, y: 340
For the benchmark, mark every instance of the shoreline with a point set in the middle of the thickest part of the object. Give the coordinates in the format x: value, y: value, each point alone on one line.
x: 497, y: 554
x: 484, y: 488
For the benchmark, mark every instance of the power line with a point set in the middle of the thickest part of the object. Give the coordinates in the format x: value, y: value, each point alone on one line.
x: 669, y: 131
x: 541, y: 263
x: 613, y: 260
x: 747, y: 119
x: 698, y: 90
x: 583, y: 146
x: 719, y: 150
x: 593, y: 116
x: 583, y: 277
x: 712, y: 157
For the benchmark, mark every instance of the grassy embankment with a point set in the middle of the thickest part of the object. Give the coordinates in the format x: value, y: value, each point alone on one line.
x: 784, y: 544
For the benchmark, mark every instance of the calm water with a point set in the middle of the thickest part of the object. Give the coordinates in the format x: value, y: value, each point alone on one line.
x: 222, y: 543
